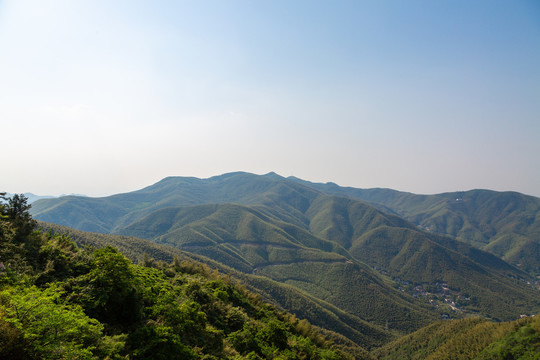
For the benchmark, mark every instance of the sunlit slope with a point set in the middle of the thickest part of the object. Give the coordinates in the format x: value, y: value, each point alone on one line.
x: 61, y: 301
x: 468, y: 339
x: 83, y: 213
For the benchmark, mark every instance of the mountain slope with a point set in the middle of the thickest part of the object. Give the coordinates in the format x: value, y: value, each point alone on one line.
x: 506, y: 224
x: 120, y: 210
x: 403, y: 251
x: 303, y: 305
x: 249, y: 241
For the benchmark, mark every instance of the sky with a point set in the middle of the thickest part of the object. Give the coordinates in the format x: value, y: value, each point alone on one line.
x: 103, y: 97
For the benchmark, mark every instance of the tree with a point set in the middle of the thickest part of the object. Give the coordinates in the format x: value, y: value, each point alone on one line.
x: 16, y: 244
x: 51, y: 330
x: 109, y: 293
x: 17, y: 212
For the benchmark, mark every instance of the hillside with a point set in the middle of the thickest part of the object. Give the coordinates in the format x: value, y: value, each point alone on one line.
x: 117, y: 211
x: 506, y: 224
x: 425, y: 260
x: 468, y: 339
x: 303, y: 305
x: 58, y: 301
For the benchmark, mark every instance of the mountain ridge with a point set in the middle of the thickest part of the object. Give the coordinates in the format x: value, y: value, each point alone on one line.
x: 506, y: 224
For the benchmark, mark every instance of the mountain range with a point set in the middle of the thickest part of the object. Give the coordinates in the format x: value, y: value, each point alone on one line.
x: 506, y: 224
x: 377, y: 261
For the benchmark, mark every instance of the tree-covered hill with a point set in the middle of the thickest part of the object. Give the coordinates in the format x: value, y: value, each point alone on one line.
x: 58, y: 301
x: 118, y: 211
x: 506, y: 224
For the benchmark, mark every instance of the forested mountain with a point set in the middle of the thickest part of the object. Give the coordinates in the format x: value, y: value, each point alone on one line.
x: 317, y: 243
x: 506, y: 224
x: 326, y: 266
x: 58, y: 301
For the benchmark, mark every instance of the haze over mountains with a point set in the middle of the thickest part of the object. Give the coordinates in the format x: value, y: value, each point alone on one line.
x: 397, y: 261
x: 31, y: 198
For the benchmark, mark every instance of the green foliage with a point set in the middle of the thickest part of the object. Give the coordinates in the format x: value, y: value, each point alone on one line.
x: 51, y: 329
x: 523, y: 343
x: 107, y: 291
x: 159, y: 342
x: 16, y: 211
x: 468, y: 339
x: 19, y: 245
x: 59, y: 259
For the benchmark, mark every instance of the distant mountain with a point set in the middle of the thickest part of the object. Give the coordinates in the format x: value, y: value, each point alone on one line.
x: 113, y: 212
x: 319, y: 243
x: 506, y: 224
x: 32, y: 198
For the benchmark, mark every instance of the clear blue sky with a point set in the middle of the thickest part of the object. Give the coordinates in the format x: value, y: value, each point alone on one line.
x: 101, y: 97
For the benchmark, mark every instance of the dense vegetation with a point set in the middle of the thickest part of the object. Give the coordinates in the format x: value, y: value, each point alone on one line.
x: 468, y: 339
x: 58, y: 301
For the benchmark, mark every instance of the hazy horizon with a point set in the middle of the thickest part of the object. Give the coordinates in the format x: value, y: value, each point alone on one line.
x: 100, y: 97
x: 218, y: 175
